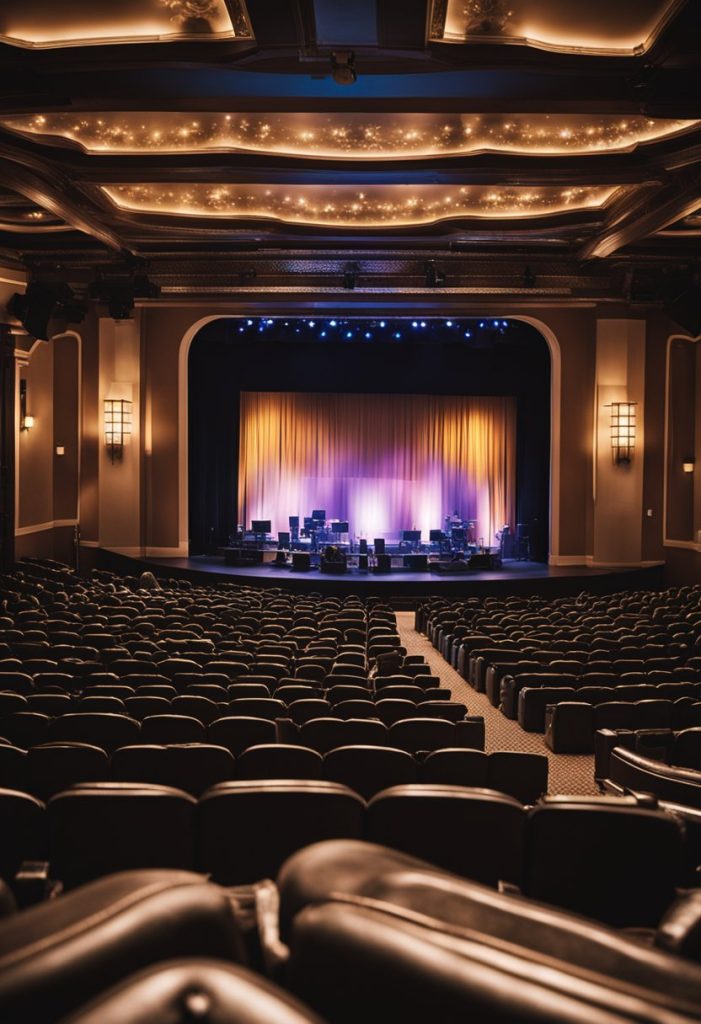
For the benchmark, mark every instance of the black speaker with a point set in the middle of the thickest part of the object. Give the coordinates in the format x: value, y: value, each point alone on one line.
x: 301, y: 561
x: 384, y: 563
x: 379, y: 545
x: 363, y: 561
x: 419, y: 563
x: 363, y: 547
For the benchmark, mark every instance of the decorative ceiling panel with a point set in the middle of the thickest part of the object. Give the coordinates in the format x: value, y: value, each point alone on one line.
x: 50, y: 23
x: 622, y: 28
x: 375, y: 206
x: 351, y: 136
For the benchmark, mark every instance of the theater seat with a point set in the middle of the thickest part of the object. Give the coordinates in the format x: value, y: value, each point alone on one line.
x: 194, y: 767
x: 104, y: 730
x: 140, y: 763
x: 686, y: 749
x: 246, y: 830
x: 162, y: 729
x: 13, y: 767
x: 97, y: 828
x: 569, y: 727
x: 606, y: 858
x: 324, y: 734
x: 238, y: 733
x: 25, y: 728
x: 522, y: 775
x: 476, y: 833
x: 455, y: 766
x: 22, y: 831
x: 449, y: 942
x: 60, y: 954
x: 416, y: 734
x: 175, y: 993
x: 368, y: 770
x: 279, y: 761
x: 52, y: 767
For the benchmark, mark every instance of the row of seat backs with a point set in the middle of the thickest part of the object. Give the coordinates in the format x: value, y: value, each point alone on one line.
x: 418, y: 942
x: 572, y: 728
x: 630, y: 770
x: 587, y: 689
x: 656, y: 713
x: 680, y: 748
x: 49, y: 768
x: 236, y: 732
x: 609, y: 858
x: 207, y: 701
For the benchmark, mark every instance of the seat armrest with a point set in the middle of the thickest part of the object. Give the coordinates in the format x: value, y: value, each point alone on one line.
x: 32, y: 884
x: 679, y: 931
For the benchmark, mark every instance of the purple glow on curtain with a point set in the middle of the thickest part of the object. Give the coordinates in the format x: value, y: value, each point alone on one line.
x: 386, y: 463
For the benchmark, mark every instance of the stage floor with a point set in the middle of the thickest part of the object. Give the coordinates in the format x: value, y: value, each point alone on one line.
x: 402, y: 586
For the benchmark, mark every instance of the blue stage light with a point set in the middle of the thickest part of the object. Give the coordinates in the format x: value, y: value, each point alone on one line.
x: 323, y: 334
x: 449, y: 323
x: 382, y: 323
x: 250, y: 323
x: 397, y: 334
x: 481, y: 323
x: 269, y: 322
x: 368, y: 335
x: 414, y: 323
x: 332, y: 323
x: 349, y: 334
x: 311, y: 323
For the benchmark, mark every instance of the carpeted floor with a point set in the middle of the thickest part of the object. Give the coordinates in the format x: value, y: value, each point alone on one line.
x: 568, y: 773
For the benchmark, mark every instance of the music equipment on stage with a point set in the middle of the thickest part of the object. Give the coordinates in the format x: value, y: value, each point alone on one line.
x: 458, y: 535
x: 379, y: 545
x: 384, y: 563
x: 294, y: 522
x: 319, y: 515
x: 363, y: 546
x: 260, y: 526
x: 283, y: 539
x: 436, y: 536
x: 363, y: 561
x: 339, y: 527
x: 301, y: 561
x: 417, y: 563
x: 485, y: 560
x: 412, y: 536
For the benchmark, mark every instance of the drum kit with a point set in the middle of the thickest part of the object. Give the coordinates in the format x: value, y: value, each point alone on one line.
x: 455, y: 522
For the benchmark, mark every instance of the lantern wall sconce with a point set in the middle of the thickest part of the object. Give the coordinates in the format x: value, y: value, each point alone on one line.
x: 26, y: 421
x: 688, y: 465
x: 623, y: 427
x: 117, y: 426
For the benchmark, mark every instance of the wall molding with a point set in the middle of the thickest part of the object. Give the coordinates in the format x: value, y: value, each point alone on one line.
x: 688, y: 545
x: 54, y: 524
x: 568, y: 559
x: 179, y: 552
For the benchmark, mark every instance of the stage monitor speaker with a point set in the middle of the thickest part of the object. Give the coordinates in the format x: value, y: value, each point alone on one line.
x: 384, y: 563
x: 363, y: 547
x: 379, y: 545
x: 294, y: 522
x: 283, y: 539
x: 301, y: 561
x: 418, y: 563
x: 484, y: 560
x: 363, y: 561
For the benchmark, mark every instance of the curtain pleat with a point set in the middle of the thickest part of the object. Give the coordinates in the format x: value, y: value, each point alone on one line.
x: 386, y: 463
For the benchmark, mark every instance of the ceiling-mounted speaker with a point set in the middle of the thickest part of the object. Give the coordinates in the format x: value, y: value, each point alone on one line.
x: 42, y: 302
x: 683, y: 305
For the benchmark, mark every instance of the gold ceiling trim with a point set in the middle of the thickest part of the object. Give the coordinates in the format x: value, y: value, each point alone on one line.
x: 45, y: 24
x: 374, y: 206
x: 354, y: 136
x: 626, y: 28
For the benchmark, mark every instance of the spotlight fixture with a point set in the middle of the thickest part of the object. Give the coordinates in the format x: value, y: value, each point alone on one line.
x: 343, y: 67
x: 119, y: 292
x: 435, y: 277
x: 623, y: 428
x: 528, y: 278
x: 43, y: 301
x: 350, y: 274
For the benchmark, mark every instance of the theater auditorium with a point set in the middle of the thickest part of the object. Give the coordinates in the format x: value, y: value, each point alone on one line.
x: 350, y: 520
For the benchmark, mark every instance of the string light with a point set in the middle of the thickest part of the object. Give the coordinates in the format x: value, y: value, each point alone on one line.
x: 378, y: 136
x: 364, y: 329
x: 341, y: 206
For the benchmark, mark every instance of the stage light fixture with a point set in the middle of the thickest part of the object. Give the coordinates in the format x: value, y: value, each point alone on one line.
x: 623, y: 429
x: 343, y: 67
x: 43, y: 301
x: 435, y: 277
x: 119, y: 292
x: 350, y: 275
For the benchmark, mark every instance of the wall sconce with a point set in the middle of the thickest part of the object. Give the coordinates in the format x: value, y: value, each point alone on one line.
x: 26, y: 421
x: 688, y: 465
x: 117, y: 426
x: 622, y: 432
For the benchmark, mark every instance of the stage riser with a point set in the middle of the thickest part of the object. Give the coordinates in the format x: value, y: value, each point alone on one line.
x: 396, y: 588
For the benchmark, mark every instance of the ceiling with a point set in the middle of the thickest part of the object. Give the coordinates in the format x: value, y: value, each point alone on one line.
x: 473, y: 145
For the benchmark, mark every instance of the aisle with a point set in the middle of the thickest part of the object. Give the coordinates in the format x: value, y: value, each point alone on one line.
x: 568, y: 773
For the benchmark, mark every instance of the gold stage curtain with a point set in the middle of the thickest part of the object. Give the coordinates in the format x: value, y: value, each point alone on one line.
x: 386, y: 463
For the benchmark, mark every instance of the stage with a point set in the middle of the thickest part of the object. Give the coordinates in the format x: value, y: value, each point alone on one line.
x: 402, y: 588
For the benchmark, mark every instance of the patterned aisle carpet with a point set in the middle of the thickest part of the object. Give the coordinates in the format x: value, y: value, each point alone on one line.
x: 567, y: 774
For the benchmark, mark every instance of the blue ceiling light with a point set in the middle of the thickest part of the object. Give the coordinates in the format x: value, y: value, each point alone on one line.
x: 449, y: 323
x: 332, y: 323
x: 382, y: 323
x: 414, y: 323
x: 323, y: 334
x: 311, y: 323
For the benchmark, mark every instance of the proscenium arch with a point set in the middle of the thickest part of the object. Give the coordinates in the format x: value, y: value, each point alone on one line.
x: 555, y: 397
